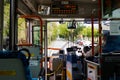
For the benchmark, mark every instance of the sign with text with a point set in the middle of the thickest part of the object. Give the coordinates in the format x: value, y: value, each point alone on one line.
x: 91, y: 71
x: 115, y: 27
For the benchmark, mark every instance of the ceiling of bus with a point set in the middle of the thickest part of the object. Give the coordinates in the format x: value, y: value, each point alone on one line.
x: 86, y: 8
x: 50, y: 1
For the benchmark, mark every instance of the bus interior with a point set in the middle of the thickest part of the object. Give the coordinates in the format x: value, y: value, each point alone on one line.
x: 25, y: 53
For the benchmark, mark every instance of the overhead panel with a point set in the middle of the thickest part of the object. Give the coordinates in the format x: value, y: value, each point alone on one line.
x: 64, y: 7
x: 74, y: 8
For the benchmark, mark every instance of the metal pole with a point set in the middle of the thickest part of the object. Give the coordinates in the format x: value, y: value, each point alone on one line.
x: 92, y: 20
x: 16, y: 26
x: 12, y: 29
x: 100, y: 36
x: 1, y: 23
x: 45, y: 48
x: 100, y: 27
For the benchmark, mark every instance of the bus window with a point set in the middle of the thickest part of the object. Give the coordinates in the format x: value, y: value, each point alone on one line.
x: 22, y: 35
x: 36, y: 35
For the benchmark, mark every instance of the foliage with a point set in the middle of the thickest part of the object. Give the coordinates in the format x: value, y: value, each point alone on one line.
x: 6, y: 18
x: 77, y: 31
x: 21, y: 22
x: 87, y: 32
x: 52, y: 31
x: 55, y: 29
x: 63, y: 31
x: 21, y: 29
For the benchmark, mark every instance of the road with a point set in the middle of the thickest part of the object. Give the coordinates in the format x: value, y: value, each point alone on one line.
x: 62, y: 44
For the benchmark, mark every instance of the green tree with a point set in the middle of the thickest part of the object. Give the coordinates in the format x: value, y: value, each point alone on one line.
x: 52, y: 31
x: 6, y: 18
x: 77, y: 31
x: 87, y: 32
x: 63, y: 31
x: 21, y: 29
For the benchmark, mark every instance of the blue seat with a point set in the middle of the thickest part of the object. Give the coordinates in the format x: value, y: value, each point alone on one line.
x: 14, y: 66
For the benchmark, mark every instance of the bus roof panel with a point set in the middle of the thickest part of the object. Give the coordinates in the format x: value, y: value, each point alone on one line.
x: 80, y: 8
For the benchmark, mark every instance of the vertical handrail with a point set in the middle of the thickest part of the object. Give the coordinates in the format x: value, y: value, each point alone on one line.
x: 100, y: 36
x: 1, y: 23
x: 45, y: 50
x: 100, y: 27
x: 92, y: 21
x: 13, y: 25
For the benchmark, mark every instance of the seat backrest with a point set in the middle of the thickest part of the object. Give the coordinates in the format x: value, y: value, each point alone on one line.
x: 12, y: 69
x: 14, y: 66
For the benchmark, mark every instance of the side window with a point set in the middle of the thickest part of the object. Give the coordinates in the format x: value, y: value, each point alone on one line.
x: 36, y: 35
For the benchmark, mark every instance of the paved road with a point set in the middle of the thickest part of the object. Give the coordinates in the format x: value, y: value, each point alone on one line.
x: 62, y: 44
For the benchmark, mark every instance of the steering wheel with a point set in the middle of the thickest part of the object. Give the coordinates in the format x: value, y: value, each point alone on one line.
x: 28, y: 52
